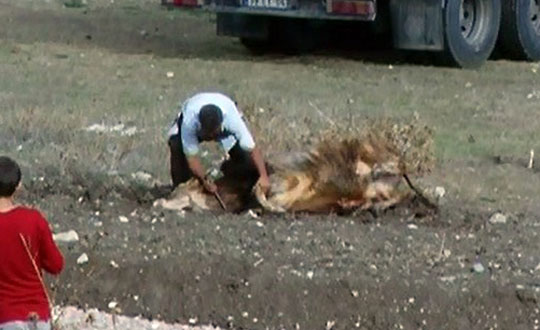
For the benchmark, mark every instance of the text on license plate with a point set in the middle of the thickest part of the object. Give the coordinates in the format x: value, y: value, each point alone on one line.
x: 278, y: 4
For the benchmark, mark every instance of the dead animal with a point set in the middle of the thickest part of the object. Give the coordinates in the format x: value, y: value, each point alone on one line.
x: 336, y: 176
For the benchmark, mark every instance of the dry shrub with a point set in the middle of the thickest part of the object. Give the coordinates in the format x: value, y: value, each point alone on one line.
x: 413, y: 140
x: 334, y: 164
x: 408, y: 138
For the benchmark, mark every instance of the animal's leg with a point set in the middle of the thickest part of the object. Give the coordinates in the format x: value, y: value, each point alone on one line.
x: 265, y: 203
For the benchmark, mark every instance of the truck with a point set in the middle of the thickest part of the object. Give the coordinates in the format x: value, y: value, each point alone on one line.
x: 463, y: 32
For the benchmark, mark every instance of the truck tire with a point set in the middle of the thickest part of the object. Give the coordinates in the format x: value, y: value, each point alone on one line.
x: 519, y: 37
x: 470, y: 31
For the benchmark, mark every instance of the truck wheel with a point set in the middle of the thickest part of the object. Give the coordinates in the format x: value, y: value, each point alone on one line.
x: 519, y: 37
x: 470, y: 28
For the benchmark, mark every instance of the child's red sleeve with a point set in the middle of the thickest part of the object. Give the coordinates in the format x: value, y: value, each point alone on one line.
x: 51, y: 257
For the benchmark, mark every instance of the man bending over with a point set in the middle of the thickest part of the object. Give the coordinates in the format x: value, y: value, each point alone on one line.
x: 212, y: 117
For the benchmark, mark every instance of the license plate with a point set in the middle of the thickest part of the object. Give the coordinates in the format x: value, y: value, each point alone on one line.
x: 274, y: 4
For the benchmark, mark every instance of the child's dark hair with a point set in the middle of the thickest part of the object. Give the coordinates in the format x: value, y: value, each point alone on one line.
x: 10, y: 176
x: 210, y: 117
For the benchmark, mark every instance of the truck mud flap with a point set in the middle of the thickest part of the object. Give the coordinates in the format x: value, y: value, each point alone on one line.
x: 417, y: 24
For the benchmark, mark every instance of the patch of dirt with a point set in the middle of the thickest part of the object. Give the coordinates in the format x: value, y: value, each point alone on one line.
x: 404, y: 268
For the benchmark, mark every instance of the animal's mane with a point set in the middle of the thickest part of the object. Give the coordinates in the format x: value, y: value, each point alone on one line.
x: 333, y: 165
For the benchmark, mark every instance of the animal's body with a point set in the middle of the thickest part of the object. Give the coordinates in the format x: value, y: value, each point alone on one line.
x: 336, y: 176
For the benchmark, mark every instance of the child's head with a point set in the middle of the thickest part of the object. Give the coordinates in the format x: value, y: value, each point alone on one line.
x: 10, y: 176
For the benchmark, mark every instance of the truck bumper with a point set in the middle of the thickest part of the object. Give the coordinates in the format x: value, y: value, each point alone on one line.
x: 298, y: 13
x: 341, y: 10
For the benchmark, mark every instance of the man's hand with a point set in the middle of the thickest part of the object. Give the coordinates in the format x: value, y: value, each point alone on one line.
x: 198, y: 172
x: 210, y: 186
x: 264, y: 183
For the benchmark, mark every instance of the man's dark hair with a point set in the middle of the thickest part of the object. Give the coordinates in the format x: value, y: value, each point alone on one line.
x: 10, y: 176
x: 210, y: 118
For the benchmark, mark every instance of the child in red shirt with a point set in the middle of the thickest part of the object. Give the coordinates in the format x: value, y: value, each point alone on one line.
x: 23, y: 301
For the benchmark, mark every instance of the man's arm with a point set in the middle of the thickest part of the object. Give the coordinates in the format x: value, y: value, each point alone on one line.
x: 198, y: 171
x: 238, y: 127
x: 190, y: 145
x: 264, y: 181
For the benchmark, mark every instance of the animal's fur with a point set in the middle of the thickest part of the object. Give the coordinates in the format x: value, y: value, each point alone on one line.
x: 335, y: 176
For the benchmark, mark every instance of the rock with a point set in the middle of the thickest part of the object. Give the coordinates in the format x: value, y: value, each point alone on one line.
x: 446, y: 253
x: 440, y: 192
x: 82, y: 259
x: 66, y: 237
x: 435, y: 193
x: 96, y: 319
x: 449, y: 279
x: 478, y: 267
x: 142, y: 176
x: 330, y: 324
x: 129, y: 131
x: 498, y: 218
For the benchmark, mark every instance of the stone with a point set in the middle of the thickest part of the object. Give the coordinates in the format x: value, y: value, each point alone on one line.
x: 66, y: 237
x: 498, y: 218
x: 440, y: 192
x: 82, y: 259
x: 478, y: 268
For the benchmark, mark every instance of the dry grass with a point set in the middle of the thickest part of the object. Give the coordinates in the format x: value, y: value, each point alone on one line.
x: 412, y: 140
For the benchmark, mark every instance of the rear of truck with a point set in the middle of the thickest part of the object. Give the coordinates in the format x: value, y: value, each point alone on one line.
x: 463, y: 32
